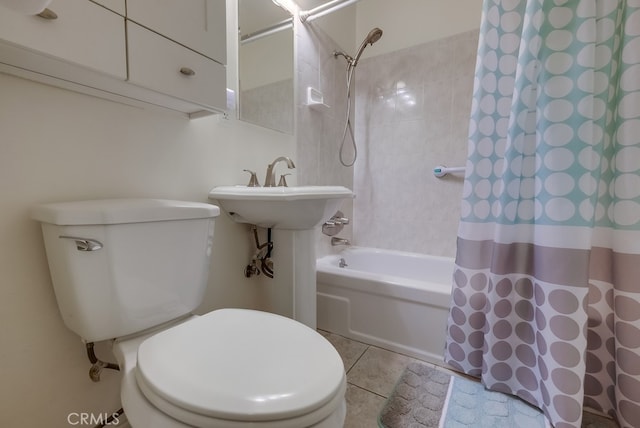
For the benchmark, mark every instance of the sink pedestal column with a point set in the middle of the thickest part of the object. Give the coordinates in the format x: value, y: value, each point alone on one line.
x: 292, y: 213
x: 294, y: 266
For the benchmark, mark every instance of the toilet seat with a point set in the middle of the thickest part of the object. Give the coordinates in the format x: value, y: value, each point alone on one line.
x: 235, y: 366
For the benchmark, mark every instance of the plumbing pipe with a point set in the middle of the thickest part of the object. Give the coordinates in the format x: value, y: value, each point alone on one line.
x: 97, y: 365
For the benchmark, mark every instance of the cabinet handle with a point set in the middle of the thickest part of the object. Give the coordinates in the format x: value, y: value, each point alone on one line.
x: 187, y: 71
x: 48, y: 14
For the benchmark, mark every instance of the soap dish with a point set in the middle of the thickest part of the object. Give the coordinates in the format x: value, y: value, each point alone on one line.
x: 315, y: 99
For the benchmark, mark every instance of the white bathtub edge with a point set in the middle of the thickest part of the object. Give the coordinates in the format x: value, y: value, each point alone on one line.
x: 403, y: 315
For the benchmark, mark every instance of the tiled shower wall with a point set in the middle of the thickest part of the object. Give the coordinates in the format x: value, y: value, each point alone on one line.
x: 319, y: 130
x: 411, y: 114
x: 412, y: 110
x: 269, y: 105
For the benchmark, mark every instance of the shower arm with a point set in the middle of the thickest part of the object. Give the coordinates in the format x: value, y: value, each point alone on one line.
x: 348, y: 57
x: 373, y: 36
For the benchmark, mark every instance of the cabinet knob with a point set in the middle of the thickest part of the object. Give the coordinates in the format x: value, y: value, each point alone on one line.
x: 48, y: 14
x: 187, y: 71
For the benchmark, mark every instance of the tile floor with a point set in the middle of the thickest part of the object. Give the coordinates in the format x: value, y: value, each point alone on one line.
x: 372, y: 373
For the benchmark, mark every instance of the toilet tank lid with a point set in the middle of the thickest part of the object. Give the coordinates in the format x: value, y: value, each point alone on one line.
x: 117, y: 211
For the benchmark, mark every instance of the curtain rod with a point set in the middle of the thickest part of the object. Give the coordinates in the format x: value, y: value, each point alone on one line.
x: 275, y: 28
x: 324, y: 9
x: 305, y: 16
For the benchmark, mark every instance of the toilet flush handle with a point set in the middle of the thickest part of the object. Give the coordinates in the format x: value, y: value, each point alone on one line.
x: 84, y: 244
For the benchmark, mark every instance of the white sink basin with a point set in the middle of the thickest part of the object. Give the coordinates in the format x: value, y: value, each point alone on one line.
x: 296, y: 208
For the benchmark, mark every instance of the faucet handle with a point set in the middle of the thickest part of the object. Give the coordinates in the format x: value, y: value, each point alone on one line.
x: 335, y: 224
x: 340, y: 220
x: 283, y: 180
x: 253, y: 181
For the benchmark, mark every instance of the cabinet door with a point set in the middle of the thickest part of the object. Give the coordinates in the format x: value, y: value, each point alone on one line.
x: 164, y: 66
x: 83, y: 33
x: 198, y: 24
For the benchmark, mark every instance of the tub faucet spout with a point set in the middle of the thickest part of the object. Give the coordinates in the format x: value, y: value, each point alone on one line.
x: 270, y: 179
x: 339, y: 241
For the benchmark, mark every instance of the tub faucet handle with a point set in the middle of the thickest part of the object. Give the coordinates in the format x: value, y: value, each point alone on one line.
x: 340, y: 220
x: 335, y: 224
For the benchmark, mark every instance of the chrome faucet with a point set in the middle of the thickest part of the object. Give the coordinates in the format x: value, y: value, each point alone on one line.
x: 270, y: 179
x: 339, y: 241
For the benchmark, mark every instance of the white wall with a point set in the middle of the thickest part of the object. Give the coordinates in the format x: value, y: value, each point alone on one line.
x: 57, y: 145
x: 266, y: 60
x: 408, y: 23
x: 339, y: 25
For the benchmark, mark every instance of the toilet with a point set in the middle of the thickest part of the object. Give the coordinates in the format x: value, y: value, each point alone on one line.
x: 132, y: 271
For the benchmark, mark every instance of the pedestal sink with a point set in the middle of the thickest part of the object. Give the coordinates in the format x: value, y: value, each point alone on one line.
x: 293, y: 208
x: 293, y: 213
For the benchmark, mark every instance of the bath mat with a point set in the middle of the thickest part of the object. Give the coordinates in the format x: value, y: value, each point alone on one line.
x: 425, y: 397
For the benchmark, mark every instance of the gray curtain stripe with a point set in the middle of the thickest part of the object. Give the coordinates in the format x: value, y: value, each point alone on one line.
x: 621, y: 269
x: 554, y: 265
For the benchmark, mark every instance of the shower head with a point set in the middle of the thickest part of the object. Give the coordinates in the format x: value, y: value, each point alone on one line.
x: 373, y: 36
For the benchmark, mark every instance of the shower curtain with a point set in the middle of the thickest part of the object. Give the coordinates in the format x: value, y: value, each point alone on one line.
x: 546, y: 290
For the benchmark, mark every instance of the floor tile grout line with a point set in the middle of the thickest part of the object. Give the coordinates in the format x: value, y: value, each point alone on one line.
x: 358, y: 359
x: 368, y: 390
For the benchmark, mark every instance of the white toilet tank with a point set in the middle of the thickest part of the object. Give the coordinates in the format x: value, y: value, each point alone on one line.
x: 120, y: 266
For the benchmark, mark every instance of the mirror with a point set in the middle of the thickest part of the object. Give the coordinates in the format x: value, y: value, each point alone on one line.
x: 265, y: 61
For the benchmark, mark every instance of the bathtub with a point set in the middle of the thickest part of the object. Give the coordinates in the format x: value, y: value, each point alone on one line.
x: 391, y: 299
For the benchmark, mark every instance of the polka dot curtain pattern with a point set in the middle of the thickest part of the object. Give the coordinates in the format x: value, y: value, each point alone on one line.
x: 546, y: 290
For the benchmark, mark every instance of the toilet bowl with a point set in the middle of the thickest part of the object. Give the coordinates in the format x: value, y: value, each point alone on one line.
x: 232, y: 368
x: 135, y: 270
